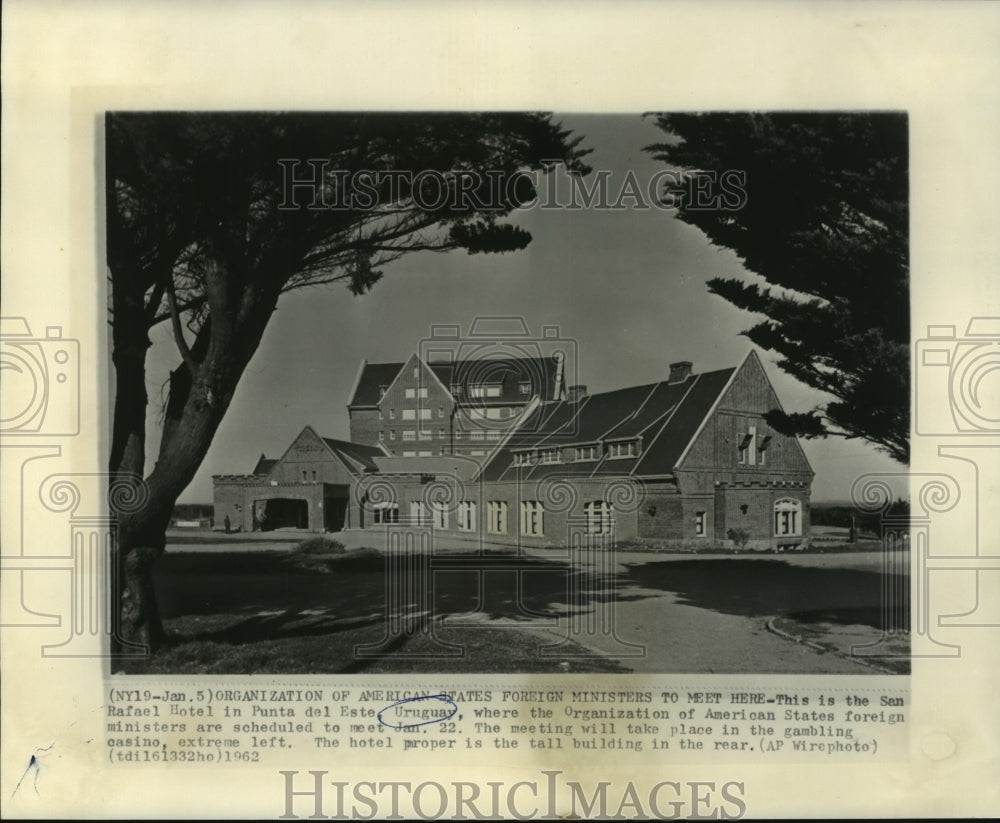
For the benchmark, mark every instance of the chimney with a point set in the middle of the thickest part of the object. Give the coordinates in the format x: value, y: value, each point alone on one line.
x: 576, y: 393
x: 679, y: 372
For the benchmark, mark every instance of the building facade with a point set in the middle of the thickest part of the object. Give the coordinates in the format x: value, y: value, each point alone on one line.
x: 687, y: 461
x: 419, y: 409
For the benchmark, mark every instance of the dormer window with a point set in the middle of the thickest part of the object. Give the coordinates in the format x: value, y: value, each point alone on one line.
x: 524, y: 387
x: 548, y: 455
x: 624, y: 449
x: 586, y: 452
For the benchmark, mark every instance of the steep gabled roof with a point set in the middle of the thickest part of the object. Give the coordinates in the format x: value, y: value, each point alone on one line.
x: 264, y: 465
x: 373, y: 375
x: 507, y: 373
x: 354, y: 453
x: 665, y: 415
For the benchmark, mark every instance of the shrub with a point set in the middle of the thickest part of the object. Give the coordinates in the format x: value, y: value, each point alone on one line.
x: 320, y: 545
x: 739, y: 537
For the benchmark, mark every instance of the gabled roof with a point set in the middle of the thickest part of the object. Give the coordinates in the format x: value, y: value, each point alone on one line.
x: 507, y: 373
x: 354, y: 455
x: 264, y: 465
x: 665, y: 415
x: 373, y: 375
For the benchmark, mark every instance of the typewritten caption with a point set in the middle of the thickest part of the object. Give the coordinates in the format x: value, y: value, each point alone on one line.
x: 232, y: 726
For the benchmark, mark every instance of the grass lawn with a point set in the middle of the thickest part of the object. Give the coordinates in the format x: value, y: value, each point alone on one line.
x: 304, y: 609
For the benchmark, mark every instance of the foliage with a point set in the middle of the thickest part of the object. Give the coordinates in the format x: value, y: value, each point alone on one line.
x: 739, y: 537
x: 824, y: 223
x: 320, y: 545
x: 205, y: 231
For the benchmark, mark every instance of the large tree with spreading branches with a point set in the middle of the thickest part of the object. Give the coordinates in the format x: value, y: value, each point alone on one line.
x: 816, y: 205
x: 212, y: 217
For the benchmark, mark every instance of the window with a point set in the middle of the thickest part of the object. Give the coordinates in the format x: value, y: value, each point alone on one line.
x: 381, y: 391
x: 410, y: 394
x: 748, y: 447
x: 418, y: 514
x: 477, y: 434
x: 467, y: 516
x: 392, y: 435
x: 548, y: 455
x: 425, y: 435
x: 493, y: 414
x: 586, y: 452
x: 303, y: 475
x: 381, y: 437
x: 485, y: 390
x: 477, y: 414
x: 599, y: 515
x: 314, y: 475
x: 497, y: 523
x: 762, y: 450
x: 440, y: 413
x: 409, y: 454
x: 425, y: 414
x: 440, y: 511
x: 699, y: 524
x: 626, y: 449
x: 423, y: 454
x: 788, y: 517
x: 493, y: 434
x: 416, y: 372
x: 477, y: 453
x: 386, y: 513
x: 524, y: 387
x: 409, y: 436
x: 392, y: 414
x: 532, y: 515
x: 409, y: 414
x: 456, y: 390
x: 440, y: 434
x: 380, y: 415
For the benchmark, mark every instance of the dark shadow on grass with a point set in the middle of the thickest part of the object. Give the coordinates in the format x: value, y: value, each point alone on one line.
x: 759, y: 588
x: 284, y: 595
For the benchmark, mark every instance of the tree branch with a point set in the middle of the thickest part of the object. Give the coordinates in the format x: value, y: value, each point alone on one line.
x: 175, y: 320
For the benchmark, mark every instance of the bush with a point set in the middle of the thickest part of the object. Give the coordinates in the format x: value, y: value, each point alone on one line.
x: 320, y: 545
x: 739, y: 537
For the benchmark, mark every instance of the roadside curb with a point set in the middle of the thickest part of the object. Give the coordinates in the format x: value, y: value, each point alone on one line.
x: 771, y: 627
x: 793, y: 637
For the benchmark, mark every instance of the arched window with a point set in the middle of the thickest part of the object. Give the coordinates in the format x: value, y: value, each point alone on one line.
x: 599, y: 517
x: 788, y: 517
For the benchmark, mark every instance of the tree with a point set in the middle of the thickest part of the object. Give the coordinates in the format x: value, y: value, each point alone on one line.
x: 817, y: 206
x: 209, y: 222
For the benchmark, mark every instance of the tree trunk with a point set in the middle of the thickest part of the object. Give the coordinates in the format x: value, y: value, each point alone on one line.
x: 139, y: 614
x: 195, y: 408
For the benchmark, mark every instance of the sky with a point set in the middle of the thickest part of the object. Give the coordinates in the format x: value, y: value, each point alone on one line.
x: 625, y: 288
